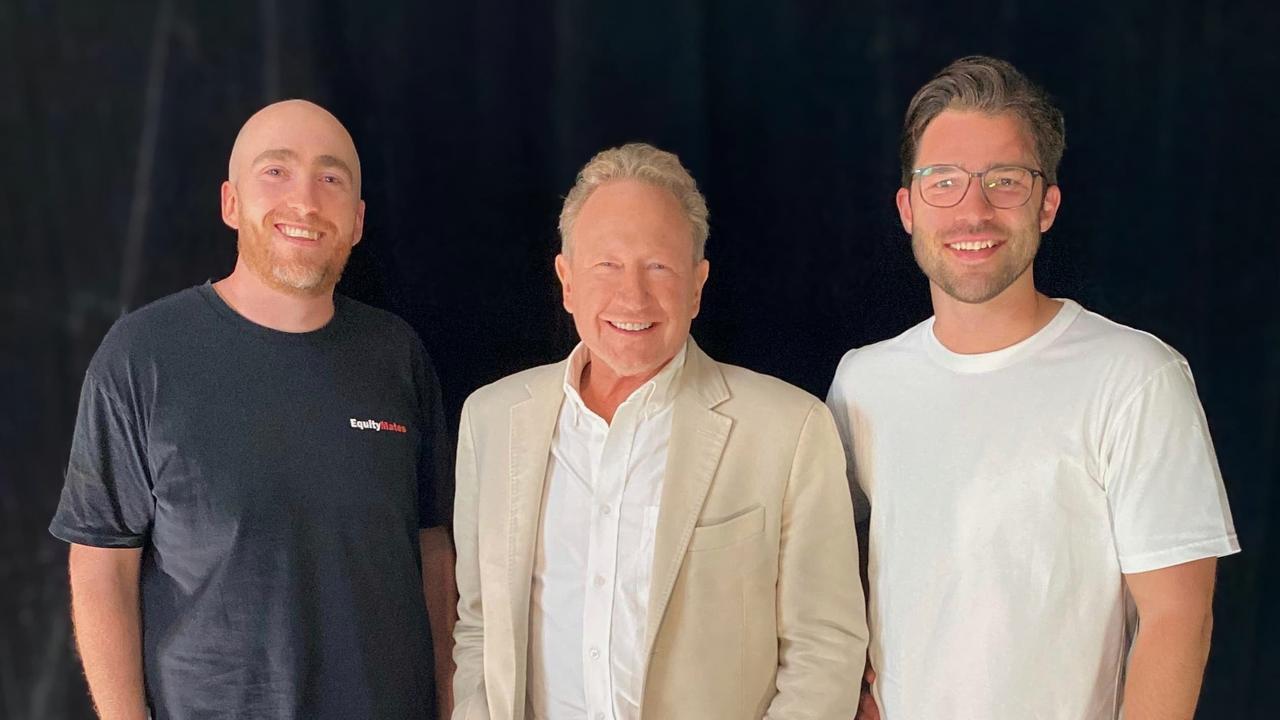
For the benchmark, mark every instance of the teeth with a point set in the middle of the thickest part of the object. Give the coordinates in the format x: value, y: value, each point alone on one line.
x: 631, y: 327
x: 974, y: 245
x: 298, y: 232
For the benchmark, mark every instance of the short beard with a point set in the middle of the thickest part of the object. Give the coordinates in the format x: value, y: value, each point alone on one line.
x: 306, y: 279
x: 969, y: 291
x: 289, y: 276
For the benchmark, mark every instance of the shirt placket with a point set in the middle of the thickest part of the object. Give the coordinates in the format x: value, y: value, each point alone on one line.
x: 609, y: 474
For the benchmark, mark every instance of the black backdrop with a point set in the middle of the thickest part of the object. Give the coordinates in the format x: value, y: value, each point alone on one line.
x: 116, y: 120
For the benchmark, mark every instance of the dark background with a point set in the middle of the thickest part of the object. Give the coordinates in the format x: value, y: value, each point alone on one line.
x: 116, y: 120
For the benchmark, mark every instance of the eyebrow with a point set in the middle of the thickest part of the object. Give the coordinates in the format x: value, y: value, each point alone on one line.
x: 329, y: 161
x: 961, y: 168
x: 278, y: 154
x: 285, y: 154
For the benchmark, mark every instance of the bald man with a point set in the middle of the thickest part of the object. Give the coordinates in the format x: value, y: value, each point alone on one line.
x: 258, y: 468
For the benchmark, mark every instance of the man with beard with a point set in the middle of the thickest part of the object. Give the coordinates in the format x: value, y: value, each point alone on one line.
x: 1045, y: 508
x: 257, y: 470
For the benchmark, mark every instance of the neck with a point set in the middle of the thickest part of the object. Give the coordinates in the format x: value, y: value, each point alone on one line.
x: 603, y: 390
x: 271, y: 307
x: 1007, y: 319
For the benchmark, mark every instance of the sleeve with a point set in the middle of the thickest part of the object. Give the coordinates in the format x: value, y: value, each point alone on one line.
x: 838, y: 401
x: 106, y: 494
x: 435, y: 456
x: 469, y: 695
x: 822, y: 625
x: 1168, y: 504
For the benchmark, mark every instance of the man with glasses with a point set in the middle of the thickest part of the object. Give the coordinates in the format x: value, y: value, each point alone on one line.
x: 1044, y: 504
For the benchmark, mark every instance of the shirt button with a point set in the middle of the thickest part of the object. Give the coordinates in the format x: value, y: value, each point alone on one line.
x: 595, y: 654
x: 599, y: 581
x: 599, y: 716
x: 606, y: 509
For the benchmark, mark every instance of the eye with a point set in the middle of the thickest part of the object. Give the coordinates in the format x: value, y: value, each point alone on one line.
x: 273, y: 172
x: 657, y: 266
x: 331, y: 179
x: 1007, y: 179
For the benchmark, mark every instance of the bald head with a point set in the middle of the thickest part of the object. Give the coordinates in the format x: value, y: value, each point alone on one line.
x: 293, y: 196
x: 297, y: 130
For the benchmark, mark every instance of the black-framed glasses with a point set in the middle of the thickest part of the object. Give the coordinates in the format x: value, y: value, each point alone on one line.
x: 1004, y: 186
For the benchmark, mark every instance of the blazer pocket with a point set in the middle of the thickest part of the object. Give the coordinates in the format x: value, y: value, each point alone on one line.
x: 731, y: 531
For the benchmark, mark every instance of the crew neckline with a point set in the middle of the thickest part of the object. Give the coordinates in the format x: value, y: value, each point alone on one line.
x: 1004, y: 357
x: 244, y: 324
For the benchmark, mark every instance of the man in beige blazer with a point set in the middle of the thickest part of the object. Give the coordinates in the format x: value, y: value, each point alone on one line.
x: 643, y: 532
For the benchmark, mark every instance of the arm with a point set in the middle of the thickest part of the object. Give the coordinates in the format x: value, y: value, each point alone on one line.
x: 108, y: 626
x: 822, y: 630
x: 837, y: 402
x: 468, y: 633
x: 867, y: 708
x: 440, y: 590
x: 1175, y: 620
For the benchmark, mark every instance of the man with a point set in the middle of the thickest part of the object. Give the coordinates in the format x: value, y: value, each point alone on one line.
x: 644, y: 532
x: 1045, y: 506
x: 254, y: 466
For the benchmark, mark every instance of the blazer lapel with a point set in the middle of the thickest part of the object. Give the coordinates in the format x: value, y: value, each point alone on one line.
x: 698, y: 436
x: 533, y: 424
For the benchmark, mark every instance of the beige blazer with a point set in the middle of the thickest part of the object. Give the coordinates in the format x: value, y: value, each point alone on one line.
x: 755, y: 609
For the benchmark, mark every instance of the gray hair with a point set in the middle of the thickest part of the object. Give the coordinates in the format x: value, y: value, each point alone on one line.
x: 645, y: 163
x: 990, y: 86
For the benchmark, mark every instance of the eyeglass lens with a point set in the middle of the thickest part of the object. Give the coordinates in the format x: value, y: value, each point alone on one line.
x: 1004, y: 187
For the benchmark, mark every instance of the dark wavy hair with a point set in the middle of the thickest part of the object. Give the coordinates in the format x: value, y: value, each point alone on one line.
x: 990, y: 86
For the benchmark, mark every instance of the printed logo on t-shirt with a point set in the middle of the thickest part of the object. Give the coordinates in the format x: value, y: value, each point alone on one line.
x: 378, y: 425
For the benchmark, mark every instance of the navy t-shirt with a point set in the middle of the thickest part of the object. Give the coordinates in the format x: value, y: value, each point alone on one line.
x: 276, y: 483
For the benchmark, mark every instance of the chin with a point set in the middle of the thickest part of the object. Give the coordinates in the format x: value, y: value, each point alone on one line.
x: 648, y: 366
x: 299, y: 281
x: 620, y: 365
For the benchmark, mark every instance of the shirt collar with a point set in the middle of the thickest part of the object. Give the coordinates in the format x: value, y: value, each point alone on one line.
x: 654, y: 395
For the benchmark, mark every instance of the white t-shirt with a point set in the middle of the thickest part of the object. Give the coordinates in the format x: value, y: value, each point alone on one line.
x: 1007, y: 492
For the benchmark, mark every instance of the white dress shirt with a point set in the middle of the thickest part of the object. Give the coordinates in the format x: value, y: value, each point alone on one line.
x: 594, y: 559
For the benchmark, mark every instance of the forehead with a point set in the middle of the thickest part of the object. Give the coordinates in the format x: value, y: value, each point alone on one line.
x: 975, y: 140
x: 305, y: 130
x: 629, y: 214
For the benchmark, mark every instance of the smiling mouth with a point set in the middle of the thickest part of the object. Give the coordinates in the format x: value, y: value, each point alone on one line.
x: 298, y: 233
x: 973, y: 245
x: 631, y: 326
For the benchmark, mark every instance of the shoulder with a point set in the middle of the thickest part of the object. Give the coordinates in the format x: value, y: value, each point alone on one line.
x: 1119, y: 351
x: 169, y: 312
x: 386, y: 333
x: 771, y: 413
x: 150, y: 329
x: 863, y: 363
x: 500, y: 395
x: 753, y: 389
x: 376, y: 321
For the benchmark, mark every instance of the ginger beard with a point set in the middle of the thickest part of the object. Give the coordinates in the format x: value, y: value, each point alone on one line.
x: 975, y: 283
x: 294, y: 268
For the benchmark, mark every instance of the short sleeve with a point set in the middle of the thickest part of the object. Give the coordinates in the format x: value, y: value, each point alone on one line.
x: 1168, y: 503
x: 838, y: 401
x: 106, y: 495
x: 435, y: 456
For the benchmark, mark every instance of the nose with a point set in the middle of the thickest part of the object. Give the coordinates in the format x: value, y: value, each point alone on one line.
x: 632, y: 292
x: 303, y: 197
x: 974, y: 207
